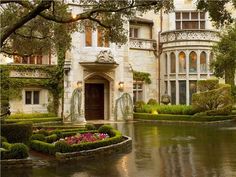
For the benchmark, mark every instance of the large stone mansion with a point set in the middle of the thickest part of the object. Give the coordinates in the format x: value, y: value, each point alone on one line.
x: 174, y: 48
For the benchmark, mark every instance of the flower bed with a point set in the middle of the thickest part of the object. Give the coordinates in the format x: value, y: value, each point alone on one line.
x: 74, y: 141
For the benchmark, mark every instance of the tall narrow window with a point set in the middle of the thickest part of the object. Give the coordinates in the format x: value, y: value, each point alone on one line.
x: 32, y: 59
x: 173, y: 92
x: 88, y: 36
x: 182, y: 62
x: 138, y: 91
x: 39, y: 59
x: 28, y: 98
x: 36, y: 97
x: 192, y: 62
x: 25, y: 60
x: 172, y: 62
x: 203, y: 64
x: 192, y: 89
x: 182, y: 92
x: 133, y: 32
x: 102, y: 39
x: 166, y: 63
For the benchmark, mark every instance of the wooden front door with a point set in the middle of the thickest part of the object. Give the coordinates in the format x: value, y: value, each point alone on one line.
x: 94, y: 101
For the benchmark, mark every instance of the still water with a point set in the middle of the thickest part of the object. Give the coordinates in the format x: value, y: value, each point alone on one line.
x: 158, y: 151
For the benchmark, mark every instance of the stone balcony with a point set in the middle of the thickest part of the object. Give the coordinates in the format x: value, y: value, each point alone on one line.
x: 189, y: 35
x: 142, y: 44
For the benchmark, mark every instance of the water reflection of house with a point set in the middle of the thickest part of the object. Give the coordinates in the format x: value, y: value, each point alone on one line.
x: 184, y: 35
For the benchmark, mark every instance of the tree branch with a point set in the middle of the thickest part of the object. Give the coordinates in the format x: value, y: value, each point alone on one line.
x: 43, y: 5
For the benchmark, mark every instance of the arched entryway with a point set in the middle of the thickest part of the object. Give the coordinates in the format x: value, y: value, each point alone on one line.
x: 96, y: 98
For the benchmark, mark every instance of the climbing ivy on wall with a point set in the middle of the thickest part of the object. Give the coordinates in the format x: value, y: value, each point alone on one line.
x: 11, y: 87
x: 142, y: 76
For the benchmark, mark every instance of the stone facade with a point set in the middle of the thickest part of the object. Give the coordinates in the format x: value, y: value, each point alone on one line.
x: 156, y: 44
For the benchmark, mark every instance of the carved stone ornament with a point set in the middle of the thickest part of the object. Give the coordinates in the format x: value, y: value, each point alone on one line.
x: 105, y: 56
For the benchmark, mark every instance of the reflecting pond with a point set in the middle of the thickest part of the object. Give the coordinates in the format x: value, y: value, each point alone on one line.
x: 158, y: 151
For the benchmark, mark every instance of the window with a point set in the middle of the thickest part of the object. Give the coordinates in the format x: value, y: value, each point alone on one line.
x: 173, y: 92
x: 172, y: 63
x: 134, y: 32
x: 102, y: 39
x: 182, y: 92
x: 182, y: 62
x: 88, y: 36
x: 166, y: 63
x: 203, y: 64
x: 192, y: 62
x: 138, y: 91
x: 31, y: 97
x: 33, y: 59
x: 192, y: 89
x: 190, y: 20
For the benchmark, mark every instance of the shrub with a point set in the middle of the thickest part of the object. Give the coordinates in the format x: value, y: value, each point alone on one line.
x: 62, y: 146
x: 19, y: 151
x: 57, y: 132
x: 42, y: 147
x: 138, y: 105
x: 17, y: 133
x: 152, y: 101
x: 14, y: 151
x: 3, y: 139
x: 90, y: 127
x: 213, y: 101
x: 51, y: 138
x: 37, y: 136
x: 30, y: 116
x: 105, y: 129
x: 206, y: 85
x: 43, y: 132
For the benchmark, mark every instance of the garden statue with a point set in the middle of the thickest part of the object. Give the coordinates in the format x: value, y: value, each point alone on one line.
x: 165, y: 99
x: 124, y: 107
x: 76, y: 101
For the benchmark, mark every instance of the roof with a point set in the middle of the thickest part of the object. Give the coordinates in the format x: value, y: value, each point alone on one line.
x: 141, y: 20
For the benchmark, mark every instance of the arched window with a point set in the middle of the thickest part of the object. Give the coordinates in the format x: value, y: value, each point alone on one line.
x: 182, y: 62
x: 203, y: 63
x: 172, y: 62
x: 193, y: 62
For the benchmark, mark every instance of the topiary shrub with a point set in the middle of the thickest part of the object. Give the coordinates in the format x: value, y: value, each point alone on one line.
x: 37, y: 136
x: 214, y: 102
x: 152, y: 101
x: 62, y: 146
x: 17, y: 133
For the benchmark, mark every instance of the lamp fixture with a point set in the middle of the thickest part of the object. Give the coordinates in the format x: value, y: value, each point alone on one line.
x: 79, y: 85
x: 121, y: 86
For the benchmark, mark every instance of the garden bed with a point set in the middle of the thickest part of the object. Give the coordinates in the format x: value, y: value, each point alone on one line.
x: 182, y: 118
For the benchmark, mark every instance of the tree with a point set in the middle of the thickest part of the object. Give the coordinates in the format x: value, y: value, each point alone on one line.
x: 218, y: 11
x: 28, y: 27
x: 224, y: 64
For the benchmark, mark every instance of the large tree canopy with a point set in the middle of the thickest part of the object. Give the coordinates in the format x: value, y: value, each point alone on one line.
x: 29, y: 27
x: 220, y: 11
x: 224, y: 64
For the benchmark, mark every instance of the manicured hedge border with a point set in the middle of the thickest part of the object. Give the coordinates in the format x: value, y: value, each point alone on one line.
x: 17, y: 133
x: 169, y: 117
x: 63, y: 147
x: 34, y: 120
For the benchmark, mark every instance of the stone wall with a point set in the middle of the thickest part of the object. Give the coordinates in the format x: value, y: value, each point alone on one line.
x: 16, y: 163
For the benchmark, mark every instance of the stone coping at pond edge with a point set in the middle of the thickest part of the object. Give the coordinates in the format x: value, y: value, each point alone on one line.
x: 16, y: 163
x: 124, y: 146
